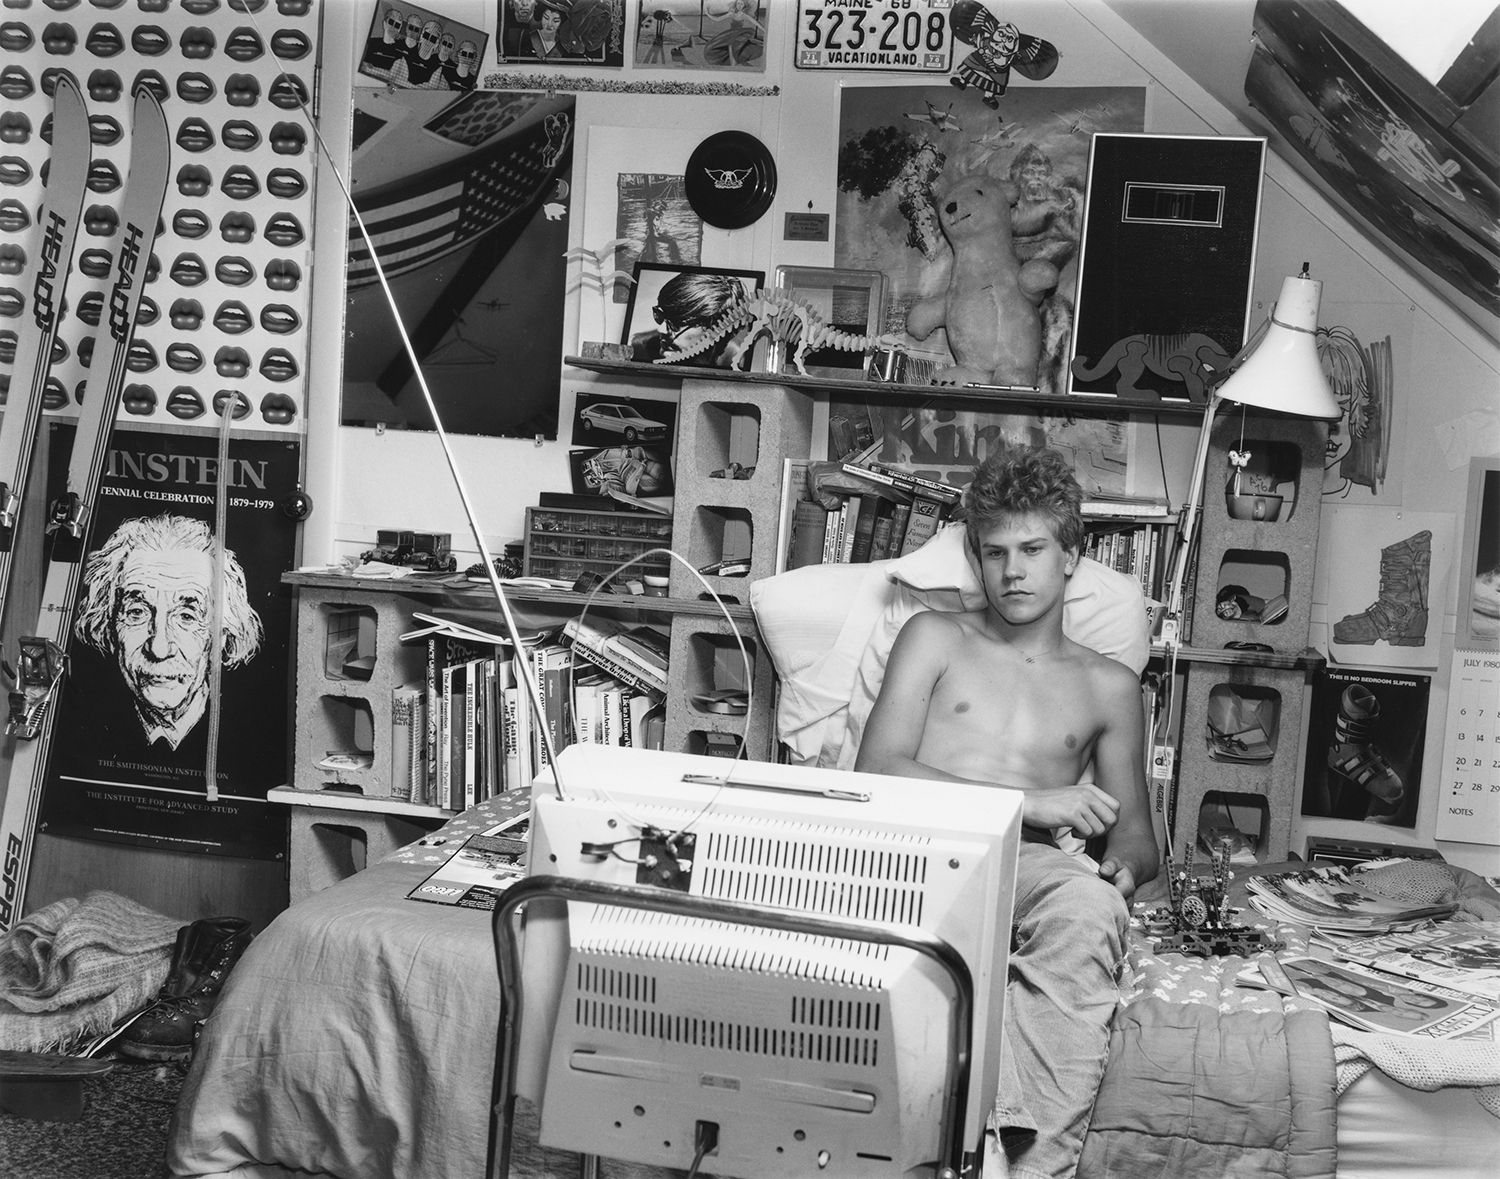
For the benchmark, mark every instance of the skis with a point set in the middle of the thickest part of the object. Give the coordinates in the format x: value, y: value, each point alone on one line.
x: 57, y: 219
x: 42, y: 663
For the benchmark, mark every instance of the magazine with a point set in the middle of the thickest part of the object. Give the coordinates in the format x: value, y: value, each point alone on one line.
x: 1328, y: 898
x: 477, y: 873
x: 1384, y: 1003
x: 1465, y: 957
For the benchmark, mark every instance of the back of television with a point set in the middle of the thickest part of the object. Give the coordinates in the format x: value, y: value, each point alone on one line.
x: 646, y: 1033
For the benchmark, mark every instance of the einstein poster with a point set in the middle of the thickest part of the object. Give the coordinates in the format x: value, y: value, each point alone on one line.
x: 135, y: 709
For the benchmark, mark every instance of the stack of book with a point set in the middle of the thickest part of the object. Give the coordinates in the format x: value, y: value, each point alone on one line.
x: 470, y: 731
x: 898, y: 515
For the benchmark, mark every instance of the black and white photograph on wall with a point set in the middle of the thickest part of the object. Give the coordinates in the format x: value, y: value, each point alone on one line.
x: 674, y: 312
x: 468, y: 201
x: 627, y: 474
x: 1365, y: 736
x: 412, y: 47
x: 561, y: 32
x: 654, y: 223
x: 603, y: 419
x: 1479, y: 562
x: 1381, y: 150
x: 138, y: 692
x: 702, y: 34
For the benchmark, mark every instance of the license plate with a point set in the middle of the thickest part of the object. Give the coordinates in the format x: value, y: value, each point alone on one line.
x: 874, y: 35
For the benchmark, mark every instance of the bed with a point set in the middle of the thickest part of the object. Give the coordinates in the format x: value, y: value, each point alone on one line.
x: 356, y: 1037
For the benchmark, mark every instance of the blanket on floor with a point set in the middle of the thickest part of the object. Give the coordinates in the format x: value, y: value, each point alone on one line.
x: 69, y: 970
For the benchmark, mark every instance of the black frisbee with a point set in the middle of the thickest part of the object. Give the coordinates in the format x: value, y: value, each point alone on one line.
x: 731, y: 179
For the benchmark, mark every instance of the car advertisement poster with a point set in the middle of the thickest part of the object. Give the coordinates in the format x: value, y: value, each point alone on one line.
x: 136, y: 707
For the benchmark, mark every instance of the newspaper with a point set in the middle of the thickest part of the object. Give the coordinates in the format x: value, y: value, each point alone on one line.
x: 1464, y: 956
x: 1377, y: 1002
x: 1328, y: 898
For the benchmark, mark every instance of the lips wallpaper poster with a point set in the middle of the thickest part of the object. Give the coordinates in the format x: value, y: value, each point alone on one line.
x: 133, y: 715
x: 467, y: 201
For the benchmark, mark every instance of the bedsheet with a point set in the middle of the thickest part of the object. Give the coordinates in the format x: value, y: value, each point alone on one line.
x: 356, y: 1039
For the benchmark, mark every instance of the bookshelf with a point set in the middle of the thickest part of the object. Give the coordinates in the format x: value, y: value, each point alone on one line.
x: 1228, y: 544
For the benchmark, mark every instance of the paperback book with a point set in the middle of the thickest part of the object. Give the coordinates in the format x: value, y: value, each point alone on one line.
x: 478, y: 872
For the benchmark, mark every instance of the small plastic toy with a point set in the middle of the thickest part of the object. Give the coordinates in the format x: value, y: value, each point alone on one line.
x: 1198, y: 920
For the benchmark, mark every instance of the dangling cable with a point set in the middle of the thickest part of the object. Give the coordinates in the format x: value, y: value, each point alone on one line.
x: 216, y: 600
x: 529, y: 681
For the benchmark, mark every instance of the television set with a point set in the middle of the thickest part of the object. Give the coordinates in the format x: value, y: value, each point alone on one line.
x: 807, y: 1054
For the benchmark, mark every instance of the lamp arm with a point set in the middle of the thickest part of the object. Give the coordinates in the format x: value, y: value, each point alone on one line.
x: 1171, y: 628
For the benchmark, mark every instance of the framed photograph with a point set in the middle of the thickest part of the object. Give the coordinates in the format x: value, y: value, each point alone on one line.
x: 851, y: 300
x: 672, y: 303
x: 1479, y: 563
x: 561, y: 32
x: 417, y: 49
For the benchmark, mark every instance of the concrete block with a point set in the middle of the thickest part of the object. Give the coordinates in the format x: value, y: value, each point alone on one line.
x: 331, y: 845
x: 712, y: 514
x: 698, y: 644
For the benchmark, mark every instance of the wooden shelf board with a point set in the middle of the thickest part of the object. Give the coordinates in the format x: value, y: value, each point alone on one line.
x: 883, y: 391
x: 338, y: 800
x: 1308, y: 659
x: 476, y: 595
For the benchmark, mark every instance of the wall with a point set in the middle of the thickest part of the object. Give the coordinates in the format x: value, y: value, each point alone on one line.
x: 363, y: 479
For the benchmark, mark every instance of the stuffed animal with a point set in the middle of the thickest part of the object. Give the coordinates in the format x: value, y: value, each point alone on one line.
x: 990, y: 306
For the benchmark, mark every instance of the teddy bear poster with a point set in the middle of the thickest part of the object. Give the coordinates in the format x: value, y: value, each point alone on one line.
x: 908, y: 153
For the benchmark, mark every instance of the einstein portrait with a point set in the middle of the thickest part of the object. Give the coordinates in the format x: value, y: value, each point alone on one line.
x: 146, y: 606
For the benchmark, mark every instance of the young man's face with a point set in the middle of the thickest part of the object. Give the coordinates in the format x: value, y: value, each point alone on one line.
x: 413, y: 30
x: 1025, y: 569
x: 161, y: 626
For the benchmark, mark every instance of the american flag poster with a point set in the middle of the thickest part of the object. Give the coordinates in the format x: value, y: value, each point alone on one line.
x: 465, y: 201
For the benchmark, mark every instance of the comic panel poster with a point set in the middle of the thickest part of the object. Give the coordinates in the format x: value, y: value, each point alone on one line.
x: 135, y: 705
x: 466, y: 199
x: 1365, y: 737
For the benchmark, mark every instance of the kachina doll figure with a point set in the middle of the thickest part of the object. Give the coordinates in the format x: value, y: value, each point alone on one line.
x: 997, y: 48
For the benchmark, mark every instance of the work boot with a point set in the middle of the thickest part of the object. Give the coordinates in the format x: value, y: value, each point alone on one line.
x: 1399, y: 616
x: 205, y: 952
x: 1352, y: 755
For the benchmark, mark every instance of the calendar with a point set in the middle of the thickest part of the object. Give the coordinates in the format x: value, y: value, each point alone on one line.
x: 1469, y: 804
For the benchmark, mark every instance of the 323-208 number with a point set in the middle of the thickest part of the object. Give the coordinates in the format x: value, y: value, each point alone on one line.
x: 911, y: 27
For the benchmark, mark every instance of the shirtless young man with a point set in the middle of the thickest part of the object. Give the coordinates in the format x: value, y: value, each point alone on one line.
x: 1002, y: 697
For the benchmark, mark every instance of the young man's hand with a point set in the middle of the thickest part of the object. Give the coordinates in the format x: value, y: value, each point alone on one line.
x: 1085, y: 808
x: 1120, y: 874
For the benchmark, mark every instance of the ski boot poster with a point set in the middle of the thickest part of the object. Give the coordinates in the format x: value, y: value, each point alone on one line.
x: 135, y: 704
x: 227, y: 287
x: 1365, y: 738
x: 1387, y: 573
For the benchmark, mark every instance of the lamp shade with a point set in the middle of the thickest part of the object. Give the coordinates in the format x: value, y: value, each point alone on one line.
x: 1283, y: 374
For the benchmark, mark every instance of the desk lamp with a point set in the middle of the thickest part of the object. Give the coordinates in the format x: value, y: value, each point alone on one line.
x: 1277, y: 370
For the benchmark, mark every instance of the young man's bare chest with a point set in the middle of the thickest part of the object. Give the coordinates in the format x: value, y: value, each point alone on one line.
x: 994, y: 715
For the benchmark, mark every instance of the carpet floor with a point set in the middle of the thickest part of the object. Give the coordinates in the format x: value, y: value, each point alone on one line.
x: 121, y: 1135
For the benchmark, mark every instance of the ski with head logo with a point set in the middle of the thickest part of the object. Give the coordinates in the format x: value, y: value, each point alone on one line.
x: 56, y: 232
x: 41, y: 663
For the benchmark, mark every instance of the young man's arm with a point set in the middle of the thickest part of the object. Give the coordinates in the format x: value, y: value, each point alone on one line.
x: 893, y: 733
x: 1131, y: 856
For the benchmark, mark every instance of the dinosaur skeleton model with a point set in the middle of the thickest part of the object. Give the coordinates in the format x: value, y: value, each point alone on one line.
x: 787, y: 322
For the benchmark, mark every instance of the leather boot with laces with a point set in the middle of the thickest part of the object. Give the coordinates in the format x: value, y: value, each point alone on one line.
x: 205, y: 952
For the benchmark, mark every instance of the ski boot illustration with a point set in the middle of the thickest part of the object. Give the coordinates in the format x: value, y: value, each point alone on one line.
x: 1352, y: 753
x: 1399, y: 616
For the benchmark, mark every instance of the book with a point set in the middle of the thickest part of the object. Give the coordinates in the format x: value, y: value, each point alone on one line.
x: 864, y: 529
x: 405, y: 717
x: 522, y: 715
x: 477, y: 873
x: 473, y: 737
x: 917, y: 483
x: 1129, y: 507
x: 831, y: 534
x: 880, y: 530
x: 900, y: 516
x: 809, y: 527
x: 637, y: 708
x: 600, y: 642
x: 926, y: 516
x: 849, y: 528
x: 611, y: 713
